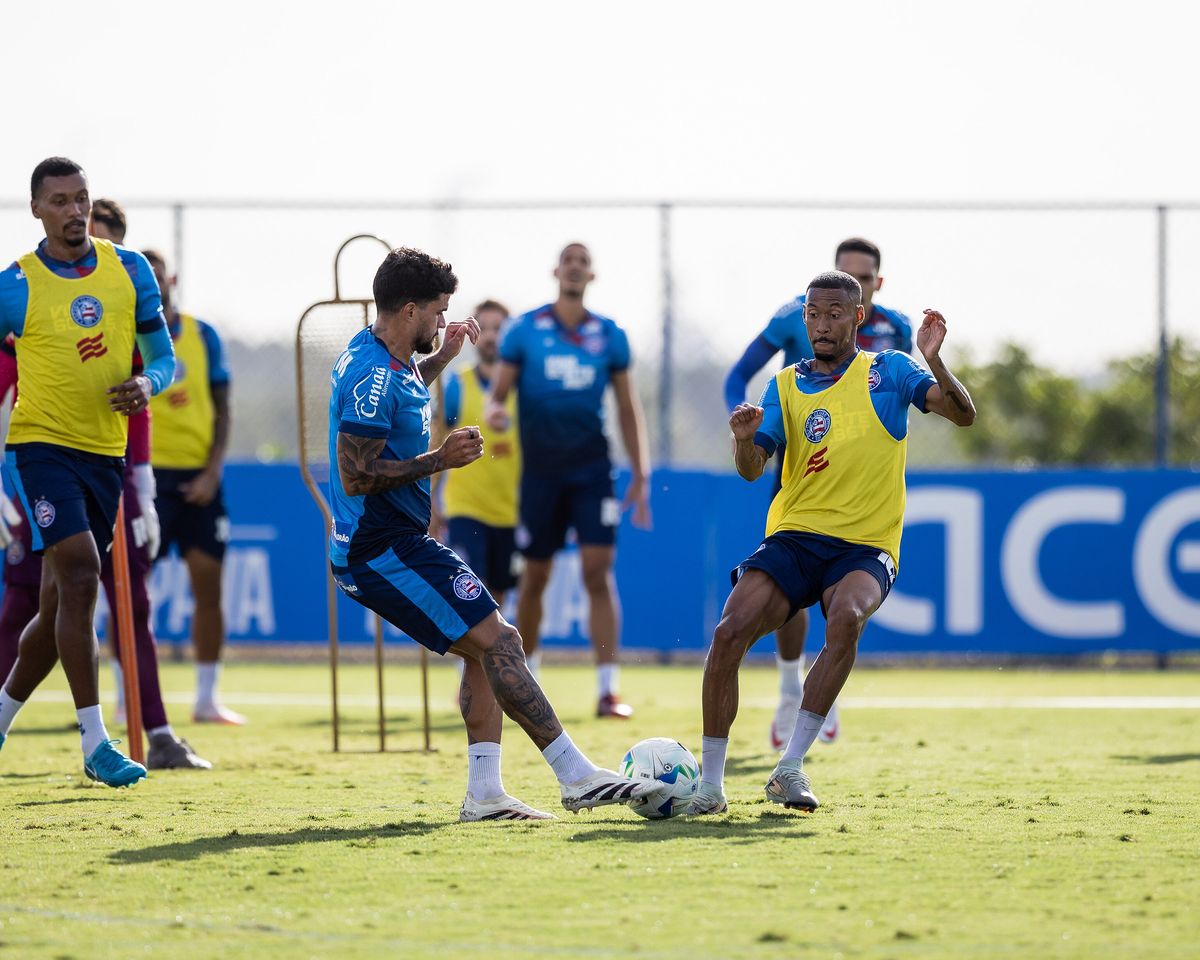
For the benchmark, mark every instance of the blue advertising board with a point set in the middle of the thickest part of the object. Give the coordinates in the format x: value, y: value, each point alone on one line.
x: 997, y: 562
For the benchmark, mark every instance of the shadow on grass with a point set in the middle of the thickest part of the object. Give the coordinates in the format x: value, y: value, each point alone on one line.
x: 396, y: 726
x: 229, y: 842
x: 32, y: 776
x: 106, y: 798
x: 1159, y: 758
x: 729, y: 829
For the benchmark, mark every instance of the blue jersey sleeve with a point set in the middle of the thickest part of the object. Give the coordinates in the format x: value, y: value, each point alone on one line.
x: 757, y: 356
x: 619, y: 356
x: 452, y: 400
x: 367, y: 403
x: 218, y: 372
x: 911, y: 379
x: 158, y: 357
x: 149, y: 297
x: 512, y: 344
x: 14, y: 299
x: 771, y: 435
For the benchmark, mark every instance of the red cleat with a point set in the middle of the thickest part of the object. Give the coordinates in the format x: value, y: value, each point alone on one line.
x: 610, y: 705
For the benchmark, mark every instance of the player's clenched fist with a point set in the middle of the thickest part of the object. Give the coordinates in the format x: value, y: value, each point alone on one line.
x: 745, y: 421
x: 461, y: 446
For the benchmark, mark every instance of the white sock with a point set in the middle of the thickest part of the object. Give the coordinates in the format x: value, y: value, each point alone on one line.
x: 165, y: 728
x: 9, y: 708
x: 534, y: 662
x: 808, y: 725
x: 119, y: 676
x: 712, y: 761
x: 483, y: 770
x: 567, y: 761
x: 608, y: 676
x: 206, y: 683
x: 791, y: 678
x: 91, y: 729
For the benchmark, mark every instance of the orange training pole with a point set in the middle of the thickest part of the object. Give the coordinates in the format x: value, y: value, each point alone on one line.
x: 125, y: 641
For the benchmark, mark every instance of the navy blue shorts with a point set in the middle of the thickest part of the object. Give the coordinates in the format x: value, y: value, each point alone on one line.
x: 421, y: 587
x: 489, y: 551
x: 805, y: 565
x: 66, y: 491
x: 553, y: 503
x: 188, y: 525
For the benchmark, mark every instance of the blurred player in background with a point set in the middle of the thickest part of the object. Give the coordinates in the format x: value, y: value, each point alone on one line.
x: 883, y: 329
x: 379, y: 550
x: 561, y: 358
x: 191, y: 432
x: 833, y: 531
x: 77, y: 306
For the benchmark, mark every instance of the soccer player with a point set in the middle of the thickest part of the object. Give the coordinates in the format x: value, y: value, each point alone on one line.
x: 561, y: 357
x: 380, y: 553
x: 883, y: 329
x: 191, y: 431
x: 833, y: 531
x: 77, y: 306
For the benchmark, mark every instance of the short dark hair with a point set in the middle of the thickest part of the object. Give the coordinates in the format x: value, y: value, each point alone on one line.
x: 858, y: 245
x: 574, y: 243
x: 490, y: 305
x: 51, y: 167
x: 111, y: 214
x: 411, y: 276
x: 837, y: 280
x: 154, y: 256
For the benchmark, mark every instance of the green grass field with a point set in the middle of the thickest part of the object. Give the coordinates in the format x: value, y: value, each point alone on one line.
x: 984, y: 823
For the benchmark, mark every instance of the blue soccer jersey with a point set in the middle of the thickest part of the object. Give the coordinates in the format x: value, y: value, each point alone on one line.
x: 375, y: 395
x: 895, y: 380
x: 560, y: 387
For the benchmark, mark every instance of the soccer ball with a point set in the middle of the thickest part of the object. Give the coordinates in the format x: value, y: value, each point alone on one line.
x: 661, y: 758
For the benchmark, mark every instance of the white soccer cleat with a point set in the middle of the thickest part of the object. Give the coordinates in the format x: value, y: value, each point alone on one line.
x: 502, y: 807
x: 217, y: 713
x: 708, y: 800
x: 829, y: 732
x: 603, y: 787
x: 789, y: 786
x: 784, y: 723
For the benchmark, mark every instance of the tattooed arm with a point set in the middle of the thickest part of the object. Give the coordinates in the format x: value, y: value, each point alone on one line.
x: 948, y: 398
x: 363, y: 472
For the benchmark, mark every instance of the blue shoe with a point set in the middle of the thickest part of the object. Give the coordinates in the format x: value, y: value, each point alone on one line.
x: 109, y: 766
x: 3, y: 737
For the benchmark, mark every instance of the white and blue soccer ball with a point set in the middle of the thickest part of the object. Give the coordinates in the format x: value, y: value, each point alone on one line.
x: 667, y: 760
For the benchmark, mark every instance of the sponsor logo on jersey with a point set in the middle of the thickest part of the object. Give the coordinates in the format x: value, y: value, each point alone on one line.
x: 816, y: 463
x: 567, y: 370
x: 91, y: 347
x: 874, y: 378
x: 369, y: 391
x: 43, y: 513
x: 86, y: 310
x: 817, y: 425
x: 467, y: 586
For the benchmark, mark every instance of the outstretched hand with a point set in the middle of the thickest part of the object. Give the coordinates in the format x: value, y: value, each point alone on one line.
x: 745, y: 421
x: 932, y: 334
x: 457, y: 333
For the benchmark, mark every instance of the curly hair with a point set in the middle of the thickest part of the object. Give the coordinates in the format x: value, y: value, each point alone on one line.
x: 836, y: 280
x: 411, y: 276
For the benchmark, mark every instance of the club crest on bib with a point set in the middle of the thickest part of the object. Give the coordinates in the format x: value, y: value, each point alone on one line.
x: 467, y: 586
x: 817, y: 425
x: 86, y: 310
x: 43, y: 513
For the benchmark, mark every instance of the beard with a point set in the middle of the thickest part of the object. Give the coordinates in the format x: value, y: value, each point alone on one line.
x: 426, y: 346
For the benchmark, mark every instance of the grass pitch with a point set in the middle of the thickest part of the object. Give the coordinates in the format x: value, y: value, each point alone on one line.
x: 988, y: 813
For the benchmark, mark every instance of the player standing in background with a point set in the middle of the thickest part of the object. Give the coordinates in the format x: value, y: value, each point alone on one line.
x: 379, y: 550
x: 191, y: 431
x: 883, y: 329
x: 833, y: 531
x: 77, y: 306
x: 560, y: 358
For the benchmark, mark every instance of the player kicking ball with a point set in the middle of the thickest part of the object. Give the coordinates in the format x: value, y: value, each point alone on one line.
x: 380, y: 553
x: 833, y: 530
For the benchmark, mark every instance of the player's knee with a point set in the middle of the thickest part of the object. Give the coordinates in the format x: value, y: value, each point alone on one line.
x: 730, y: 638
x: 77, y: 583
x: 597, y: 578
x: 534, y: 577
x: 845, y: 624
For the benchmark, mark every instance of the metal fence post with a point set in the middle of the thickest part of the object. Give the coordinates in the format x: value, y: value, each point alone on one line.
x: 1162, y: 372
x: 666, y: 360
x: 177, y: 251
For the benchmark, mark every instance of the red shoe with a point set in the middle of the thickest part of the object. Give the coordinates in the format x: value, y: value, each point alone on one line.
x: 610, y: 705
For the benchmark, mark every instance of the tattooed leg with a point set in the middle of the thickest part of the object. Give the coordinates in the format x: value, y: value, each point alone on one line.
x: 497, y: 646
x: 480, y: 711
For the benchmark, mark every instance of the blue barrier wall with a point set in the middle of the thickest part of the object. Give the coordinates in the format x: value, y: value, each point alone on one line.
x: 1037, y: 562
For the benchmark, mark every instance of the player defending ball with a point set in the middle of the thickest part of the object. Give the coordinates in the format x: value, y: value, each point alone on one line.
x: 833, y: 531
x: 381, y: 556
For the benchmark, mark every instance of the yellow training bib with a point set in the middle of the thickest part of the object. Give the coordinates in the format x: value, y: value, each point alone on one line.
x: 843, y: 473
x: 486, y: 490
x: 78, y: 341
x: 182, y: 435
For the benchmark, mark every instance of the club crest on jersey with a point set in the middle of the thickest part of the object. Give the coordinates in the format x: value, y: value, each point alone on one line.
x: 594, y: 344
x: 467, y: 586
x: 15, y: 553
x: 86, y: 310
x: 874, y: 378
x: 43, y: 513
x: 817, y: 425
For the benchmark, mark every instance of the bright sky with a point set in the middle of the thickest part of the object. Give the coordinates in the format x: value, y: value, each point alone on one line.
x: 542, y: 100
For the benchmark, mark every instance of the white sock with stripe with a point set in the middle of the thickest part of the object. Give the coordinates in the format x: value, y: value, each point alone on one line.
x: 567, y: 760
